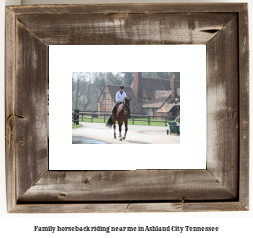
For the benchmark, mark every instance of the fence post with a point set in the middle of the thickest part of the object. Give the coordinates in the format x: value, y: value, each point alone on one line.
x: 82, y: 117
x: 104, y: 117
x: 149, y: 120
x: 133, y: 120
x: 76, y: 116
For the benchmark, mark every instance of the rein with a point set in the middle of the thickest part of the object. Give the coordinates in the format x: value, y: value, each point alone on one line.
x: 124, y: 108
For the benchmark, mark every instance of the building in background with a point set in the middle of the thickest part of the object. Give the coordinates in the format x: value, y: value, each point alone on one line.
x: 107, y: 99
x: 150, y: 96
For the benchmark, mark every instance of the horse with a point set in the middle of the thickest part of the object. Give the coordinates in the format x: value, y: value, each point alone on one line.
x: 121, y: 116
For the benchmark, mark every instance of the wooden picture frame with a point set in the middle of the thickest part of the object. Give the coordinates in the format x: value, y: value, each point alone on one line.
x: 222, y: 186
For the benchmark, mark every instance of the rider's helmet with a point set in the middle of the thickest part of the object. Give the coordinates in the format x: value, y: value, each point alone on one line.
x: 121, y: 86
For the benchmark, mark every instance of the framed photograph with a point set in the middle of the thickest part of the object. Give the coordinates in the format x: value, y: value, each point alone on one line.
x: 48, y: 45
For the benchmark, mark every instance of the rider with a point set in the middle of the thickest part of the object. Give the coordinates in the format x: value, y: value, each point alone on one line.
x: 120, y: 95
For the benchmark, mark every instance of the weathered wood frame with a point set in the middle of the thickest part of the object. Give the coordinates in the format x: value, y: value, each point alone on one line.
x: 222, y: 186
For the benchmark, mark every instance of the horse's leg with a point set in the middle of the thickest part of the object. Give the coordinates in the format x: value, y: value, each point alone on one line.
x: 120, y: 126
x: 114, y: 126
x: 126, y: 129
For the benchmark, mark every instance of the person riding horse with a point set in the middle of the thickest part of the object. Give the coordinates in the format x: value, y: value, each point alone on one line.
x: 120, y: 113
x: 120, y: 95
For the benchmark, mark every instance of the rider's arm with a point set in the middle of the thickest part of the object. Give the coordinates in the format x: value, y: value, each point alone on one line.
x: 117, y: 98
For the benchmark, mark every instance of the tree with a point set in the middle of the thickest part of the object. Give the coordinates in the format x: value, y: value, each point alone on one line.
x: 161, y: 75
x: 114, y: 79
x: 87, y: 86
x: 128, y: 78
x: 86, y: 96
x: 81, y: 89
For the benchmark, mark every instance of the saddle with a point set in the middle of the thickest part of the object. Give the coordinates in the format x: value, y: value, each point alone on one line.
x: 114, y: 110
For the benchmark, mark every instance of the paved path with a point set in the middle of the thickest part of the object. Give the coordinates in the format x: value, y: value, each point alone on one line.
x: 98, y: 133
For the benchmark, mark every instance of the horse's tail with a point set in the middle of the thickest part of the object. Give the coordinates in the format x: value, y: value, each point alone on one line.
x: 109, y: 122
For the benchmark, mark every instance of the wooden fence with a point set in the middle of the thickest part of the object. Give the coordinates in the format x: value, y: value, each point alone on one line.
x: 79, y: 115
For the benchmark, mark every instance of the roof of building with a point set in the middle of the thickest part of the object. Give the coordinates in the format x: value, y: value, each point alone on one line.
x: 157, y: 90
x: 168, y: 105
x: 153, y: 84
x: 162, y: 93
x: 154, y: 103
x: 135, y: 104
x: 159, y: 98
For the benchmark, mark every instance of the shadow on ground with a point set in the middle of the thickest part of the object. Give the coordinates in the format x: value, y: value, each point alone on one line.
x: 85, y: 140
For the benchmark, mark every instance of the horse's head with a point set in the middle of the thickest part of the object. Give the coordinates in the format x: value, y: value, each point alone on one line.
x: 126, y: 105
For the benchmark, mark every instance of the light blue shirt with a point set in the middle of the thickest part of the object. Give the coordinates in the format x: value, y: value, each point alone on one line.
x: 120, y: 97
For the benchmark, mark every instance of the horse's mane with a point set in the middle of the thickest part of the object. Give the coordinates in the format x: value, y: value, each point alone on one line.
x: 122, y: 104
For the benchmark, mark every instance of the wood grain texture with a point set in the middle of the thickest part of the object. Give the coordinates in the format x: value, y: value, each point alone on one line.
x: 222, y: 107
x: 186, y: 207
x: 129, y: 207
x: 223, y: 186
x: 139, y: 185
x: 244, y: 106
x: 153, y: 8
x: 9, y: 108
x: 30, y: 109
x: 120, y: 29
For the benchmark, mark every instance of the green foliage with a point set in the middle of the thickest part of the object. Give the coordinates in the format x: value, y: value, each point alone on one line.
x: 128, y: 78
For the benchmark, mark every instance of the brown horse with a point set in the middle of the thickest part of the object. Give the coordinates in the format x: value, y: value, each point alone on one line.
x: 121, y: 116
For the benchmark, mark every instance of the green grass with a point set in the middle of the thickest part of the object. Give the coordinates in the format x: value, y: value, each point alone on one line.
x: 76, y: 126
x: 100, y: 119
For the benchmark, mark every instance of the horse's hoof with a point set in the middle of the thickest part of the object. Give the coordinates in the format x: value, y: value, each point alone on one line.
x: 124, y: 138
x: 120, y: 139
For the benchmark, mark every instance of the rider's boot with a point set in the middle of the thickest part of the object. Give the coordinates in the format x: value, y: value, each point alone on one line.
x: 113, y: 113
